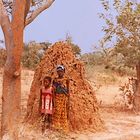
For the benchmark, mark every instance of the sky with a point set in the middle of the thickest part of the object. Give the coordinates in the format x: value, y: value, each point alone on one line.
x: 78, y: 18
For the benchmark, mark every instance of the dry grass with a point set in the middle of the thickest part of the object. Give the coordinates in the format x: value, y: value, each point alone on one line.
x: 102, y: 76
x: 119, y: 125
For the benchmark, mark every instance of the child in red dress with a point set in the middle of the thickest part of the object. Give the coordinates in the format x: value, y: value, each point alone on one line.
x: 47, y: 101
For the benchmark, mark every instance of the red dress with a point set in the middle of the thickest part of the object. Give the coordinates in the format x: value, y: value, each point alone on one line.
x: 46, y: 101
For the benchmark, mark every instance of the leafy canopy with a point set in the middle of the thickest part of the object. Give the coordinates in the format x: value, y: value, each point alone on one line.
x: 123, y: 26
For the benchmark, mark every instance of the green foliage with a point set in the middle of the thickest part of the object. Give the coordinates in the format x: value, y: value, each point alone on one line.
x: 33, y: 53
x: 76, y: 49
x: 124, y: 26
x: 31, y: 56
x: 95, y: 58
x: 108, y: 61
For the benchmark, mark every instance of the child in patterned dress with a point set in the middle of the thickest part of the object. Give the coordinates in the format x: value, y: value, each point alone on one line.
x: 47, y: 101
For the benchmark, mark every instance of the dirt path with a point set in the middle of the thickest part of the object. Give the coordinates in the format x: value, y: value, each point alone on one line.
x: 119, y: 126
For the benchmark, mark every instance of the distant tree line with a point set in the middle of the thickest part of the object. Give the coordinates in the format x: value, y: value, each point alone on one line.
x: 33, y: 53
x: 108, y: 59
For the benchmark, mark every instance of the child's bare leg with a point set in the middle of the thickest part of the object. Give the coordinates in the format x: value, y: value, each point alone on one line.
x: 49, y: 120
x: 44, y: 123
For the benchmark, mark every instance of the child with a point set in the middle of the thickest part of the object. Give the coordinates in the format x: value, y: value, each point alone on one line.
x: 47, y: 101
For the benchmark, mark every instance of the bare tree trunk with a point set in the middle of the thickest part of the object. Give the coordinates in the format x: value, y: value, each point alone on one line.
x: 10, y: 104
x: 13, y: 33
x: 137, y: 94
x: 12, y: 87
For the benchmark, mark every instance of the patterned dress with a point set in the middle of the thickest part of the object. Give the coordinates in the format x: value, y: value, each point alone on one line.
x: 60, y: 120
x: 46, y: 101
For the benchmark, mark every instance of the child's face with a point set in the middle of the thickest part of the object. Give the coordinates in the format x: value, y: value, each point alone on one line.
x: 60, y: 73
x: 46, y: 82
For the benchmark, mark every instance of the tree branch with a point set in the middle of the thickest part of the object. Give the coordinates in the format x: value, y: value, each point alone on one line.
x: 5, y: 25
x: 27, y: 7
x: 38, y: 11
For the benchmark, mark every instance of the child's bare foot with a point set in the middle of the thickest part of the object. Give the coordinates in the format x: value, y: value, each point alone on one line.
x: 47, y: 127
x: 43, y: 130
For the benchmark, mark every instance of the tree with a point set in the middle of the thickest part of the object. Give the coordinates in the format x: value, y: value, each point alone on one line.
x: 31, y: 56
x: 124, y: 28
x: 33, y: 52
x: 15, y: 15
x: 76, y: 49
x: 94, y: 58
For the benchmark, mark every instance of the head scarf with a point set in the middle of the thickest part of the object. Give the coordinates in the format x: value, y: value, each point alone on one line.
x: 60, y: 68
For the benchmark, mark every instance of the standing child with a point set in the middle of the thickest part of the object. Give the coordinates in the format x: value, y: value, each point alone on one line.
x: 47, y: 102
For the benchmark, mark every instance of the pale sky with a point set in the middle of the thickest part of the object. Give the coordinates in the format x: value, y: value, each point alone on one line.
x: 79, y: 18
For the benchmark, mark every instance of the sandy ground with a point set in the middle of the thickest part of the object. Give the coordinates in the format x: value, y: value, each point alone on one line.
x: 120, y: 124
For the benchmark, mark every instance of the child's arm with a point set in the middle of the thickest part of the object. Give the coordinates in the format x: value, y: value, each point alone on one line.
x: 67, y: 84
x: 40, y: 100
x: 68, y: 93
x: 53, y: 96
